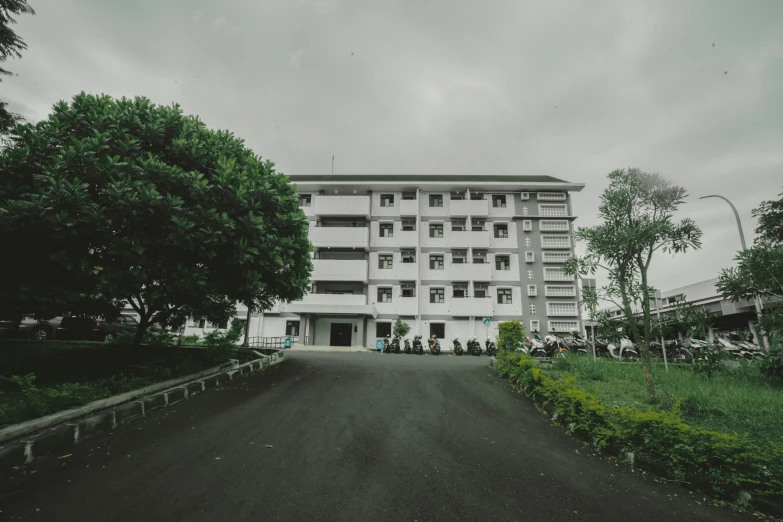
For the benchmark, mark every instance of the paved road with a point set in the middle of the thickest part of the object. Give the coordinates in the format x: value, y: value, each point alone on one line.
x: 353, y: 437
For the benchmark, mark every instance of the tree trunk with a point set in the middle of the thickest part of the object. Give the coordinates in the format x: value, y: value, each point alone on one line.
x: 644, y: 347
x: 143, y: 325
x: 644, y: 344
x: 247, y: 329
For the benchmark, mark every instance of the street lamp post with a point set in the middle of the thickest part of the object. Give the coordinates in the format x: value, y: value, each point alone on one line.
x: 756, y: 300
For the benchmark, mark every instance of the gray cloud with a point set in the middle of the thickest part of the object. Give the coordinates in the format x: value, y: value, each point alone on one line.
x: 569, y: 89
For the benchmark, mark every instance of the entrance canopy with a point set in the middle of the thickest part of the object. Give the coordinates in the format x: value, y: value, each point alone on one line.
x: 337, y: 309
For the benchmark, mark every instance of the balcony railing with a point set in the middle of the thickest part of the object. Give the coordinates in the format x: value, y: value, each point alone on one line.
x: 339, y: 237
x: 468, y: 207
x: 326, y: 205
x: 339, y: 270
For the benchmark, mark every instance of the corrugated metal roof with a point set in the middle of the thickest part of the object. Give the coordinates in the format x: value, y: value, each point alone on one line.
x: 419, y: 178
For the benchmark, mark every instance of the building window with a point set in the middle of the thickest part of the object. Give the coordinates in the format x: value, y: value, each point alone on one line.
x: 532, y: 309
x: 460, y: 290
x: 563, y: 326
x: 534, y: 325
x: 436, y: 200
x: 477, y: 225
x: 552, y: 211
x: 530, y: 257
x: 382, y: 329
x: 527, y: 241
x: 408, y: 289
x: 384, y: 295
x: 387, y: 229
x: 305, y: 200
x: 387, y: 200
x: 499, y: 201
x: 458, y: 225
x: 437, y: 295
x: 436, y: 262
x: 530, y: 275
x: 292, y: 328
x: 532, y: 290
x: 436, y: 230
x: 438, y: 330
x: 561, y: 309
x: 502, y: 262
x: 559, y: 241
x: 560, y: 291
x: 479, y: 257
x: 527, y: 225
x: 385, y: 261
x: 480, y: 290
x: 459, y: 256
x: 524, y: 196
x: 501, y: 231
x: 408, y: 225
x: 504, y: 296
x: 409, y: 256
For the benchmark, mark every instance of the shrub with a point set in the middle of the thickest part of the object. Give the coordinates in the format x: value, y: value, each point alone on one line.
x: 511, y: 335
x: 709, y: 361
x: 773, y: 364
x: 401, y: 328
x: 728, y: 463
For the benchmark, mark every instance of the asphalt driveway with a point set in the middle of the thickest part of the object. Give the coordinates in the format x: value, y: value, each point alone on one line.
x: 336, y: 436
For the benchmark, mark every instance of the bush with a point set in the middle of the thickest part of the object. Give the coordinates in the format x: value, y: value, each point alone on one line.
x: 773, y: 364
x: 401, y: 328
x: 709, y: 361
x: 511, y: 335
x: 728, y: 463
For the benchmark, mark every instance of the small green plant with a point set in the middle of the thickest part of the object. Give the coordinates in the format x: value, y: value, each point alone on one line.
x: 511, y: 336
x: 190, y: 340
x: 709, y: 362
x: 773, y: 364
x: 401, y: 328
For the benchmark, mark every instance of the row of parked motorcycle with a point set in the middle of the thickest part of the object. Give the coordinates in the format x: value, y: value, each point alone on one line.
x: 473, y: 346
x: 676, y: 350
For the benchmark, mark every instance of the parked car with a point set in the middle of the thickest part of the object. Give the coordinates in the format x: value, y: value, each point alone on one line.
x: 29, y: 327
x: 88, y: 329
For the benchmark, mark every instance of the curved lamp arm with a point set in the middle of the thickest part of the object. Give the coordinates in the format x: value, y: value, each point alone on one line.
x: 736, y: 215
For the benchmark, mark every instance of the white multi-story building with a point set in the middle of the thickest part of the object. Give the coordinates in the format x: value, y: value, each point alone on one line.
x: 442, y: 252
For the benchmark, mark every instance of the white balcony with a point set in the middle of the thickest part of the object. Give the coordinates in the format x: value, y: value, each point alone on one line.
x: 435, y: 242
x: 327, y: 205
x: 469, y: 207
x: 333, y: 299
x: 339, y: 270
x: 339, y: 237
x: 469, y: 271
x: 409, y: 207
x: 471, y: 307
x: 399, y: 306
x: 398, y: 272
x: 469, y: 238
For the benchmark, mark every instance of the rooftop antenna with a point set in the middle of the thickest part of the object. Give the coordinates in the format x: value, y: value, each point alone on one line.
x: 332, y: 163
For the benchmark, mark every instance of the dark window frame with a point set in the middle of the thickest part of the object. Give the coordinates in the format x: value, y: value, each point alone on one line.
x: 384, y: 290
x: 505, y: 293
x: 383, y: 258
x: 382, y: 329
x: 499, y: 201
x: 501, y: 230
x: 388, y: 227
x: 438, y: 260
x: 438, y: 330
x: 437, y: 293
x: 387, y: 200
x: 434, y: 227
x: 437, y: 199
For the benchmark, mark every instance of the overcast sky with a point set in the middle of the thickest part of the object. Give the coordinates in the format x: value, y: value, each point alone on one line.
x: 693, y: 90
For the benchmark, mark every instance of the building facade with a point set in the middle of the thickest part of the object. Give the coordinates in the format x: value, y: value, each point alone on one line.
x: 440, y: 252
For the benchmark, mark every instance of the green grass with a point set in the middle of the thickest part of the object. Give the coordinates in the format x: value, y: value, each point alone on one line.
x: 41, y: 378
x: 740, y: 400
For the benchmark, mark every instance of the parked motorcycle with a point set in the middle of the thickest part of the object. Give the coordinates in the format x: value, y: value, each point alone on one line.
x: 492, y: 350
x: 407, y: 348
x: 434, y: 346
x: 535, y: 346
x: 626, y: 349
x: 386, y: 344
x: 474, y: 347
x: 555, y: 346
x: 418, y: 348
x: 395, y: 344
x: 458, y: 347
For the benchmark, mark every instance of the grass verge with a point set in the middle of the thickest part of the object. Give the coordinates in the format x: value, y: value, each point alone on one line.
x: 619, y: 420
x: 38, y: 379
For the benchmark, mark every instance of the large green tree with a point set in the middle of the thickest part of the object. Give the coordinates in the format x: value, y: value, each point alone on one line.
x: 759, y: 269
x: 110, y: 201
x: 11, y: 45
x: 637, y: 214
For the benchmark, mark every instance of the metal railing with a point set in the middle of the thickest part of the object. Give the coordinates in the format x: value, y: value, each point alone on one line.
x: 275, y: 342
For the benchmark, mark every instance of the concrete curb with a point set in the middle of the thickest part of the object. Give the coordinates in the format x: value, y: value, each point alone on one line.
x: 21, y: 443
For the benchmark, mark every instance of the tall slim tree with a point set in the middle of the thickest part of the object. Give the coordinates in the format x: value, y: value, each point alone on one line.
x: 11, y: 45
x: 759, y: 270
x: 122, y: 201
x: 637, y: 213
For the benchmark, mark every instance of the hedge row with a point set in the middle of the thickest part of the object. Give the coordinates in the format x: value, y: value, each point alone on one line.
x: 728, y: 463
